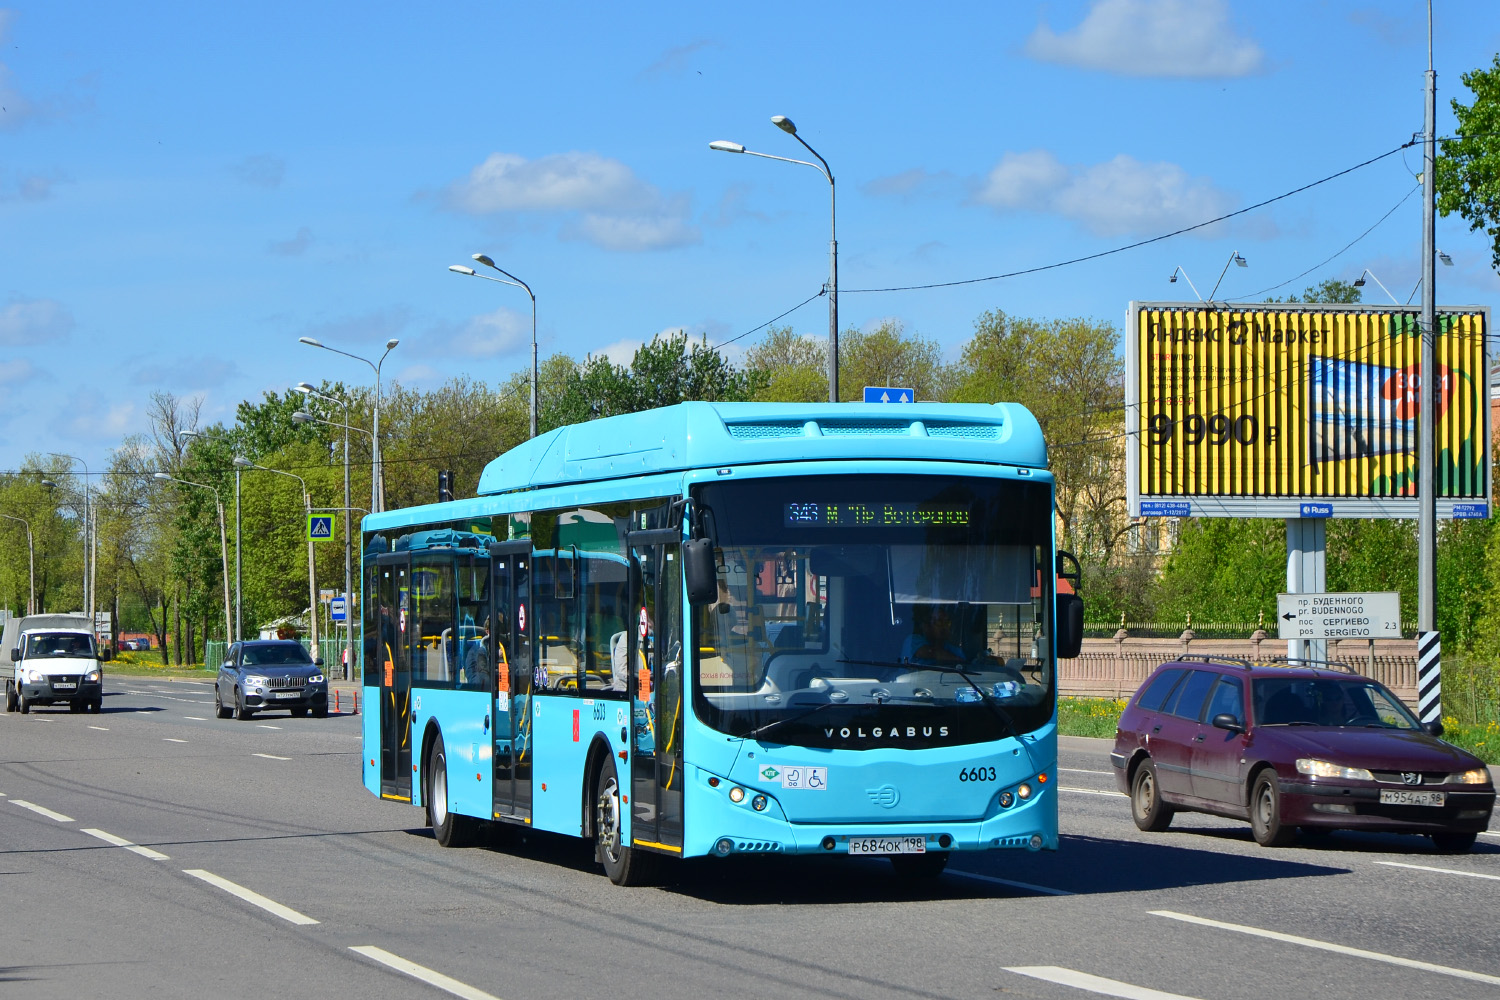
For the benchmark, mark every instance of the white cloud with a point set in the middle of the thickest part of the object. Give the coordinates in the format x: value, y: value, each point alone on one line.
x: 607, y: 203
x: 1181, y: 38
x: 909, y: 184
x: 1119, y: 196
x: 494, y: 334
x: 34, y: 321
x: 622, y: 352
x: 186, y: 375
x: 90, y: 420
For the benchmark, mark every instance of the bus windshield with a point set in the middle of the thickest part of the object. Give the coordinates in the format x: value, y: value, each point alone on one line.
x: 865, y: 611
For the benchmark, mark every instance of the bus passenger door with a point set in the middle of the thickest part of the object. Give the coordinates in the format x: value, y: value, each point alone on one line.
x: 656, y: 661
x: 394, y: 664
x: 510, y: 631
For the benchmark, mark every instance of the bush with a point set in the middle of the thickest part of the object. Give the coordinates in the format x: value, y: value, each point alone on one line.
x: 1097, y: 717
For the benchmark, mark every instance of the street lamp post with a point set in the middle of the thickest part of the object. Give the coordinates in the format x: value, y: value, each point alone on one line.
x: 377, y: 485
x: 223, y: 541
x: 785, y: 124
x: 1359, y: 282
x: 303, y: 417
x: 487, y: 262
x: 312, y: 582
x: 31, y: 553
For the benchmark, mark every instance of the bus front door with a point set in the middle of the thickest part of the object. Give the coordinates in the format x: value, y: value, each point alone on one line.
x: 511, y: 709
x: 656, y: 658
x: 393, y: 591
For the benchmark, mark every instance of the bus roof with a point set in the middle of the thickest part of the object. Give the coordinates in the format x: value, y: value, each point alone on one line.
x: 711, y: 435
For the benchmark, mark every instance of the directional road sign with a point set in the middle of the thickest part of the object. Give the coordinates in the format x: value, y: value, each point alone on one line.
x: 320, y: 527
x: 1339, y: 616
x: 336, y: 609
x: 887, y: 394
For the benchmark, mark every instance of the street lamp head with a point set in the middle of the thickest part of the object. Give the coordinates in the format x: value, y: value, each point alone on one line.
x: 1359, y: 282
x: 243, y: 463
x: 483, y: 258
x: 302, y: 417
x: 390, y: 345
x: 49, y: 484
x: 304, y: 387
x: 163, y: 477
x: 725, y: 146
x: 1240, y: 261
x: 310, y: 341
x: 460, y: 269
x: 1447, y: 260
x: 1173, y: 278
x: 784, y: 123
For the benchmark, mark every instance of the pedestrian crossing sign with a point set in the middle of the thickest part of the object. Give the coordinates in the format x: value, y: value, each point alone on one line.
x: 320, y: 527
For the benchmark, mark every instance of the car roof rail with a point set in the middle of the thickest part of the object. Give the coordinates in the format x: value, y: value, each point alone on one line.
x: 1234, y: 661
x: 1302, y: 661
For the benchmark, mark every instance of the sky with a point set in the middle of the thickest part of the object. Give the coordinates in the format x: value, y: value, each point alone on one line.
x: 185, y: 190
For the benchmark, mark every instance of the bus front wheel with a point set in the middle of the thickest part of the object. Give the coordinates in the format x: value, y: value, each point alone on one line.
x: 624, y: 865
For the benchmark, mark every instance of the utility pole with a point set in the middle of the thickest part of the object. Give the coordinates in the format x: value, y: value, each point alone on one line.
x: 1429, y: 686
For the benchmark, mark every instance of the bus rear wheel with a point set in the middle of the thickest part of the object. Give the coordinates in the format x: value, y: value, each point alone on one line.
x: 623, y: 864
x: 450, y: 829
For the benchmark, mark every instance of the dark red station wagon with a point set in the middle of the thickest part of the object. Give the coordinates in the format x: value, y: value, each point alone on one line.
x: 1293, y: 746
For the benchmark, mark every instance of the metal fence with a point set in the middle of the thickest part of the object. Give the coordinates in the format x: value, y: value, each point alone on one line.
x: 1119, y: 674
x: 1203, y: 630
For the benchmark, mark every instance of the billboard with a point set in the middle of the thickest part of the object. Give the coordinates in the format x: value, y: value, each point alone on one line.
x: 1300, y: 410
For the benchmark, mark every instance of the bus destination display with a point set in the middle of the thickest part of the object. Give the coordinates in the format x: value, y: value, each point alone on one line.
x: 813, y: 514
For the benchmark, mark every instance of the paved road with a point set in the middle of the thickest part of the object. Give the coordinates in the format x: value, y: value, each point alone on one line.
x: 155, y: 851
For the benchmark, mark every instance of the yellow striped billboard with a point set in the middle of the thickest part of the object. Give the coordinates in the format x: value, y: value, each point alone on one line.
x: 1269, y: 410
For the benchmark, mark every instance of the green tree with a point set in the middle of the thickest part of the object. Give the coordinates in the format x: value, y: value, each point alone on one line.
x: 888, y: 355
x: 788, y: 368
x: 1224, y: 570
x: 1468, y: 167
x: 1329, y: 290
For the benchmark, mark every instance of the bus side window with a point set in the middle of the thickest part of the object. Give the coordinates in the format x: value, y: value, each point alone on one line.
x: 432, y: 635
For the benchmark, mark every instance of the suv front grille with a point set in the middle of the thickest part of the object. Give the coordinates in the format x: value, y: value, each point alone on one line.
x: 283, y: 683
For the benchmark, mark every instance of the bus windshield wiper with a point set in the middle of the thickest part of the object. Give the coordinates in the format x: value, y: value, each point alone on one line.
x: 984, y: 696
x: 783, y: 721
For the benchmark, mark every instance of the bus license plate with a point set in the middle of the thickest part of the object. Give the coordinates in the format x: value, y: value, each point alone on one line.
x: 887, y: 845
x: 1401, y: 797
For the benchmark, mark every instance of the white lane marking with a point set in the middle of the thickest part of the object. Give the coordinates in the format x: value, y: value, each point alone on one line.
x: 1338, y: 949
x: 1078, y: 770
x: 144, y: 852
x: 168, y: 739
x: 1486, y: 833
x: 1089, y: 791
x: 1441, y: 871
x: 1045, y: 890
x: 101, y: 729
x: 426, y: 975
x: 264, y: 726
x: 194, y: 718
x: 270, y: 756
x: 42, y: 810
x: 1094, y: 984
x: 254, y: 898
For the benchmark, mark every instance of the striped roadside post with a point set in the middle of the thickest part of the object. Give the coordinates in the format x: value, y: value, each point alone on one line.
x: 1429, y: 677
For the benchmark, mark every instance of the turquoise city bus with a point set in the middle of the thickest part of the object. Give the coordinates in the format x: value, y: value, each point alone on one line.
x: 715, y: 629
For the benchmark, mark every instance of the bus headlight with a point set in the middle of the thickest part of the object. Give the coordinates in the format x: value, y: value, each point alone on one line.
x: 758, y: 803
x: 736, y: 794
x: 1023, y: 791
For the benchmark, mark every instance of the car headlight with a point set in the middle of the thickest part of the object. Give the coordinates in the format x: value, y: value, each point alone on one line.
x: 1325, y: 769
x: 1478, y: 776
x: 315, y: 679
x: 91, y: 676
x: 34, y: 676
x: 254, y: 681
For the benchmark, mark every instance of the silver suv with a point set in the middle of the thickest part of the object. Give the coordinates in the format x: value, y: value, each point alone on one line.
x: 270, y: 674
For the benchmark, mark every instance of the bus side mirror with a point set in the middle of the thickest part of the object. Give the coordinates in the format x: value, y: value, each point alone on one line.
x: 1069, y: 626
x: 698, y: 569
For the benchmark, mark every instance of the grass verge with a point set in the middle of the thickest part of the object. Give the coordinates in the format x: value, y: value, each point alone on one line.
x: 1480, y: 739
x: 148, y: 664
x: 1089, y: 716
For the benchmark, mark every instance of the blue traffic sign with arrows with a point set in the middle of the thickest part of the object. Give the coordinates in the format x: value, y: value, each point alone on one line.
x: 887, y: 394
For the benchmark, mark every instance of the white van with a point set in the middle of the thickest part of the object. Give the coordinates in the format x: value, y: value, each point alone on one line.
x: 52, y: 659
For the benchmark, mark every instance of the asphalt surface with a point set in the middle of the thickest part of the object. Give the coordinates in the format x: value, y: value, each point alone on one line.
x: 350, y: 896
